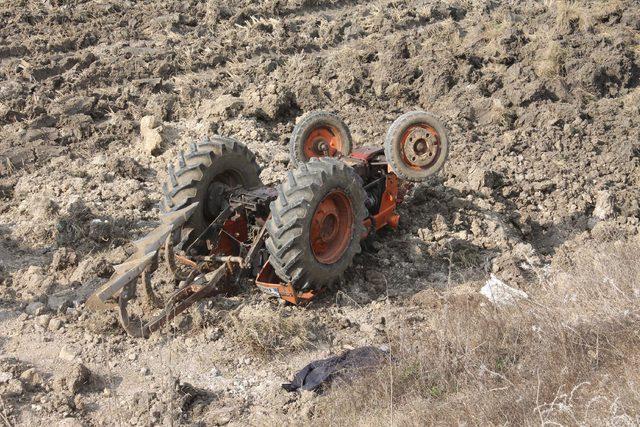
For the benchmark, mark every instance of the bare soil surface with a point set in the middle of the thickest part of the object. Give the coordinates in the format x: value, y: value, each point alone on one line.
x: 541, y: 99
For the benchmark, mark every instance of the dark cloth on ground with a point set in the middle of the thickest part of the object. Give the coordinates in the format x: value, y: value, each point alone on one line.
x: 347, y: 366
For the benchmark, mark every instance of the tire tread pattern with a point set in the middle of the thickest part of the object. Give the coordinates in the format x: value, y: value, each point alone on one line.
x: 182, y: 186
x: 289, y: 226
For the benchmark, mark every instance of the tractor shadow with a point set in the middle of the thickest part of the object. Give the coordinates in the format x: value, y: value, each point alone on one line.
x: 447, y: 237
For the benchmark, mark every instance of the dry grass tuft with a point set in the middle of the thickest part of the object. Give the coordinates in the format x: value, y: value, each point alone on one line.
x: 571, y: 15
x: 268, y: 332
x: 568, y: 355
x: 552, y: 59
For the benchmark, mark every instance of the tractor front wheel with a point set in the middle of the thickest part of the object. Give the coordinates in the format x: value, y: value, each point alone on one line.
x: 416, y: 146
x: 319, y: 134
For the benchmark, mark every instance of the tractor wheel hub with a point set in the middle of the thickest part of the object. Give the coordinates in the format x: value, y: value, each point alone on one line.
x: 323, y: 141
x: 331, y: 227
x: 420, y: 146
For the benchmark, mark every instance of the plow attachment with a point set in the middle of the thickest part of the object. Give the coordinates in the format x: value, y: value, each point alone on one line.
x: 123, y: 285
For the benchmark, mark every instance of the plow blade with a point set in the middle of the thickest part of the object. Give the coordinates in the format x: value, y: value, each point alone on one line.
x: 144, y: 255
x: 125, y: 273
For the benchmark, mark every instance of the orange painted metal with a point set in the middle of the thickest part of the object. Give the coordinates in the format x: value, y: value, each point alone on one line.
x: 269, y: 282
x: 387, y: 213
x: 186, y: 261
x: 233, y: 231
x: 331, y: 227
x: 322, y: 142
x: 365, y: 153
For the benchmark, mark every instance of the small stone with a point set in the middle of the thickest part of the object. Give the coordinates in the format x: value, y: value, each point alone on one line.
x: 132, y: 356
x: 219, y: 416
x: 499, y: 293
x: 149, y: 122
x: 461, y: 235
x: 67, y: 354
x: 481, y: 178
x: 5, y: 377
x: 415, y: 252
x: 31, y: 377
x: 281, y: 157
x: 215, y: 334
x: 70, y: 422
x: 14, y: 388
x: 144, y: 370
x: 35, y: 308
x: 55, y: 324
x: 63, y: 258
x: 43, y: 320
x: 78, y: 402
x: 605, y: 206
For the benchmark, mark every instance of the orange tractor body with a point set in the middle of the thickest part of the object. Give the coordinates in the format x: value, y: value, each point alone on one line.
x: 295, y: 239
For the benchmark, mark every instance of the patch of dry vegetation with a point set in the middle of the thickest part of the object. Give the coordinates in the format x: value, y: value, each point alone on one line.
x: 571, y: 14
x: 268, y: 332
x: 552, y: 58
x: 567, y: 355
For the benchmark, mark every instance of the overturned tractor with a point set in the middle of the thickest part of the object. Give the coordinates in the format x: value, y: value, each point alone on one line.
x: 299, y: 237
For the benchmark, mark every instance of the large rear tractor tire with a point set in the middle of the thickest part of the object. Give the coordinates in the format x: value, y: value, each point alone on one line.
x: 416, y: 146
x: 316, y: 223
x: 202, y: 175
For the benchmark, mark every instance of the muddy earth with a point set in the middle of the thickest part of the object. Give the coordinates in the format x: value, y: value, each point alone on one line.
x: 541, y: 100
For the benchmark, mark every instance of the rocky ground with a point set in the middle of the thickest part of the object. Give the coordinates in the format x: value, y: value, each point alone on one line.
x: 541, y: 99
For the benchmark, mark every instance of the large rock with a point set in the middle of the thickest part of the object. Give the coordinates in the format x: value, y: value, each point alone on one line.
x: 151, y: 132
x: 73, y: 379
x: 67, y: 353
x: 500, y: 293
x: 605, y: 206
x: 61, y: 300
x: 31, y: 378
